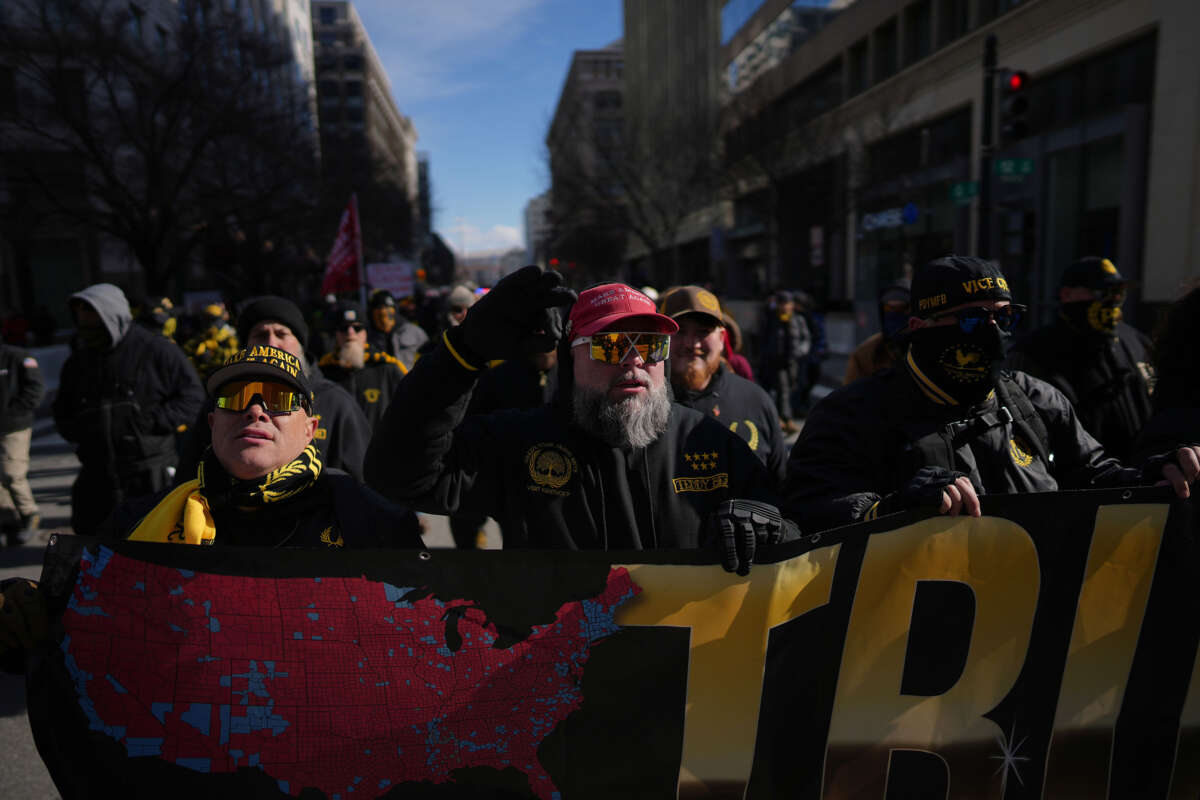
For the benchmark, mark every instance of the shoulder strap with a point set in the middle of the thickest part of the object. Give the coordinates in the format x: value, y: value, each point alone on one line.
x: 1024, y: 416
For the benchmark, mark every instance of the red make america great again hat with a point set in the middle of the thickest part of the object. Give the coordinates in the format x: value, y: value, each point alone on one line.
x: 601, y: 306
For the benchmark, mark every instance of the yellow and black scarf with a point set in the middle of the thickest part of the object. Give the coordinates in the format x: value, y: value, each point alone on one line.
x: 185, y: 515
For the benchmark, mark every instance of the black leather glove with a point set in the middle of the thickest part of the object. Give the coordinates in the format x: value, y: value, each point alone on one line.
x: 740, y: 527
x: 23, y: 622
x: 925, y: 489
x: 514, y: 318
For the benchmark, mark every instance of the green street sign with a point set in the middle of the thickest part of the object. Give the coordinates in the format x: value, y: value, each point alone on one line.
x: 1013, y: 170
x: 962, y: 192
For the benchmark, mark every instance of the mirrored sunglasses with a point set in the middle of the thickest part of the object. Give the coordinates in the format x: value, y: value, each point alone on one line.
x: 275, y: 398
x: 614, y: 348
x: 1007, y: 318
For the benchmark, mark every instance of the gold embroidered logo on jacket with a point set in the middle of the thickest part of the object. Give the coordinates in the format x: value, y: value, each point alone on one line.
x: 550, y: 467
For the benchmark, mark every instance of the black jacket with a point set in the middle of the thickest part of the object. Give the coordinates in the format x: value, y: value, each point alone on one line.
x: 21, y: 389
x: 746, y: 409
x: 867, y: 440
x: 1107, y: 379
x: 123, y: 406
x: 549, y: 483
x: 372, y: 386
x: 341, y: 436
x: 335, y: 512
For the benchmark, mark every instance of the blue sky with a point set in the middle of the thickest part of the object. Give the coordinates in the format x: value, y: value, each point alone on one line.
x: 480, y: 80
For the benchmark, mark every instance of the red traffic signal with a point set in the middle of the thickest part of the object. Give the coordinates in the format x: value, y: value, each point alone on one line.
x: 1014, y: 107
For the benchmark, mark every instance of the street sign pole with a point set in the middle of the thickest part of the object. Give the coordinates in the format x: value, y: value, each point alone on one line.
x: 983, y: 228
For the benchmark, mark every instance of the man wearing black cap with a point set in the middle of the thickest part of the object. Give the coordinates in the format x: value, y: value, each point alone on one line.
x: 261, y: 484
x: 702, y: 381
x: 389, y: 332
x: 1101, y: 364
x: 948, y: 425
x: 370, y: 376
x: 342, y: 431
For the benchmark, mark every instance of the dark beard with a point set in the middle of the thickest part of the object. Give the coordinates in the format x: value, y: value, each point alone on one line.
x: 629, y: 424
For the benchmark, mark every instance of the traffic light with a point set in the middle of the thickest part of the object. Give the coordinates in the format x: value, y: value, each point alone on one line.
x: 1014, y: 105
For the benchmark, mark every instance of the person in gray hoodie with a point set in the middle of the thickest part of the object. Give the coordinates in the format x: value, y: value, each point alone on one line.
x: 123, y: 395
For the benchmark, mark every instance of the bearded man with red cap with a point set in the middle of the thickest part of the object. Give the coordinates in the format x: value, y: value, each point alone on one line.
x: 611, y: 463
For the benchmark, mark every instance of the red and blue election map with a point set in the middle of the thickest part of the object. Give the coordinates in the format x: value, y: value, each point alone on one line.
x: 347, y: 685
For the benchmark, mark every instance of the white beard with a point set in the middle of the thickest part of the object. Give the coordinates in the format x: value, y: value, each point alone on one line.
x: 629, y: 424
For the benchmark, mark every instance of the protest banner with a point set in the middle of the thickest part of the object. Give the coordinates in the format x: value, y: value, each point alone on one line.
x: 1047, y: 650
x: 397, y: 277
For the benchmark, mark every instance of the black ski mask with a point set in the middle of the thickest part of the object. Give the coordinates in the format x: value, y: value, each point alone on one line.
x: 963, y: 365
x: 1097, y: 317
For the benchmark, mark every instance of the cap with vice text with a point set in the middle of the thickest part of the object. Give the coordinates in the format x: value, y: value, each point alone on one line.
x: 692, y: 300
x: 1093, y: 272
x: 607, y: 304
x: 953, y: 281
x: 261, y: 362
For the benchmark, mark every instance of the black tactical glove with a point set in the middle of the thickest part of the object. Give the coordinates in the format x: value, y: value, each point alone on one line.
x: 925, y: 489
x: 514, y: 318
x: 740, y: 527
x: 23, y: 622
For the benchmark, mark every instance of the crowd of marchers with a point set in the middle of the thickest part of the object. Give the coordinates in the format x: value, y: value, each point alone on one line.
x: 605, y: 419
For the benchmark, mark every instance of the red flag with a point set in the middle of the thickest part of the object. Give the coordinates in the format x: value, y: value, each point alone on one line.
x: 342, y: 265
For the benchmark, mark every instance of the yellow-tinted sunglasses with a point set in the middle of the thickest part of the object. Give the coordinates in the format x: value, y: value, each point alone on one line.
x: 275, y: 398
x: 613, y: 348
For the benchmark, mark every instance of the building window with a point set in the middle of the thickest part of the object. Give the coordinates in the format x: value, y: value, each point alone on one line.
x: 353, y: 88
x: 353, y: 63
x: 952, y: 21
x: 858, y: 78
x: 328, y: 39
x: 885, y: 51
x: 328, y: 15
x: 608, y: 101
x: 354, y: 115
x: 918, y: 33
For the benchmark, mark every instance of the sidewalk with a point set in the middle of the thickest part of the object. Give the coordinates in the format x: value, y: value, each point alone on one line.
x: 52, y: 469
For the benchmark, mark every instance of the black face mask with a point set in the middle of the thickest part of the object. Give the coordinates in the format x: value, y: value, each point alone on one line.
x: 93, y: 337
x: 963, y: 365
x: 1098, y: 317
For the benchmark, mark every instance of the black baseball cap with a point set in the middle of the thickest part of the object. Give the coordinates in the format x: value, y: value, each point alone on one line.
x: 1093, y: 272
x: 348, y: 313
x: 264, y: 363
x: 954, y: 280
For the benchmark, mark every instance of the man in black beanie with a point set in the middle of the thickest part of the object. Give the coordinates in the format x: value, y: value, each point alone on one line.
x: 1100, y: 364
x: 342, y: 431
x: 947, y: 424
